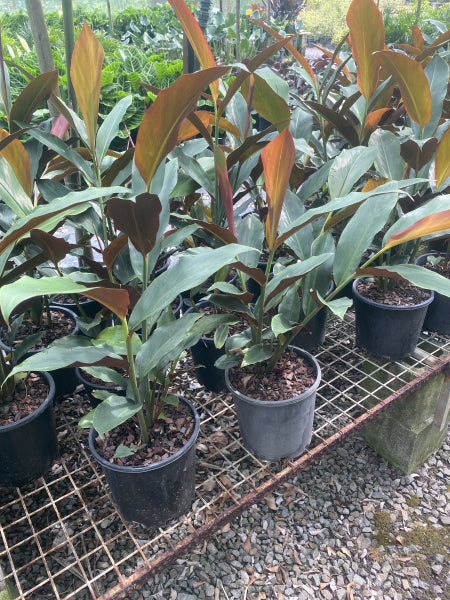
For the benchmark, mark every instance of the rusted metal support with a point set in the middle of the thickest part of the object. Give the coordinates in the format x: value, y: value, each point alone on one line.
x: 208, y: 529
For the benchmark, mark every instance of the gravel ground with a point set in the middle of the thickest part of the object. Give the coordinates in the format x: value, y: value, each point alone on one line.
x: 349, y: 527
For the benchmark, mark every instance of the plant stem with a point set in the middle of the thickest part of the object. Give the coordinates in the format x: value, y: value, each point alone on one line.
x: 133, y: 381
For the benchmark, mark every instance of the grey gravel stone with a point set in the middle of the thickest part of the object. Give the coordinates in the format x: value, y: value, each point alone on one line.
x: 331, y: 536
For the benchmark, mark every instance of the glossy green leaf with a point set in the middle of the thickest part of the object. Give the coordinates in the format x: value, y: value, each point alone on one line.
x: 114, y: 336
x: 287, y: 276
x: 107, y: 375
x: 86, y: 75
x: 359, y: 232
x: 250, y: 232
x: 256, y: 354
x: 437, y: 72
x: 339, y: 306
x: 164, y: 345
x: 412, y: 81
x: 122, y: 451
x: 266, y: 101
x: 366, y: 37
x: 252, y: 65
x: 32, y: 96
x: 299, y: 243
x: 65, y: 151
x: 318, y: 279
x: 12, y: 192
x: 348, y: 168
x: 220, y: 336
x: 110, y: 126
x: 17, y: 156
x: 163, y: 119
x: 278, y: 158
x: 112, y: 412
x: 193, y: 268
x: 72, y: 350
x: 388, y: 160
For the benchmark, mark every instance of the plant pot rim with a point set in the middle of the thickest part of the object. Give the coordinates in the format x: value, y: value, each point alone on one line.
x: 390, y: 307
x: 63, y: 309
x: 294, y: 399
x: 49, y: 398
x: 153, y: 466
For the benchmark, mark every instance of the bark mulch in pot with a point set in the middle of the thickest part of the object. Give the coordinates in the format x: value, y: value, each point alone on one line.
x: 399, y: 295
x: 291, y: 376
x: 167, y: 436
x: 29, y: 394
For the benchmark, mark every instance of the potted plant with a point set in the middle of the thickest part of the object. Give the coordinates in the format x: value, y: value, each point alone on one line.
x: 28, y: 443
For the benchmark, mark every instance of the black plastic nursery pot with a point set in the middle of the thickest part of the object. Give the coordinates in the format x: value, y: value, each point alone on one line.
x: 315, y: 334
x: 154, y: 494
x: 438, y: 313
x: 387, y: 331
x: 280, y: 429
x: 205, y: 354
x: 28, y: 447
x: 89, y: 306
x: 64, y: 379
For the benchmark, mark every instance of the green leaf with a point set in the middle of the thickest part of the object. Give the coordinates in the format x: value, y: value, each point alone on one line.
x: 250, y: 232
x: 289, y: 275
x: 299, y: 243
x: 227, y: 361
x: 11, y: 192
x: 65, y: 352
x: 107, y: 375
x: 165, y: 345
x: 318, y: 279
x: 220, y: 336
x: 359, y: 232
x: 110, y: 126
x: 348, y: 168
x: 114, y: 337
x: 437, y: 72
x: 87, y: 421
x: 256, y: 354
x: 388, y: 160
x: 112, y: 412
x: 171, y: 399
x: 193, y: 268
x: 53, y: 142
x: 206, y: 323
x: 280, y: 324
x: 122, y: 451
x: 339, y: 306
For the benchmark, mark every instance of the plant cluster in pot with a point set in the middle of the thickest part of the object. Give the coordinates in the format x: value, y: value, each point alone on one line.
x: 28, y: 443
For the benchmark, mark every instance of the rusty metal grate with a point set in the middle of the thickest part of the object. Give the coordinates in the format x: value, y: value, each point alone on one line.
x: 63, y: 533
